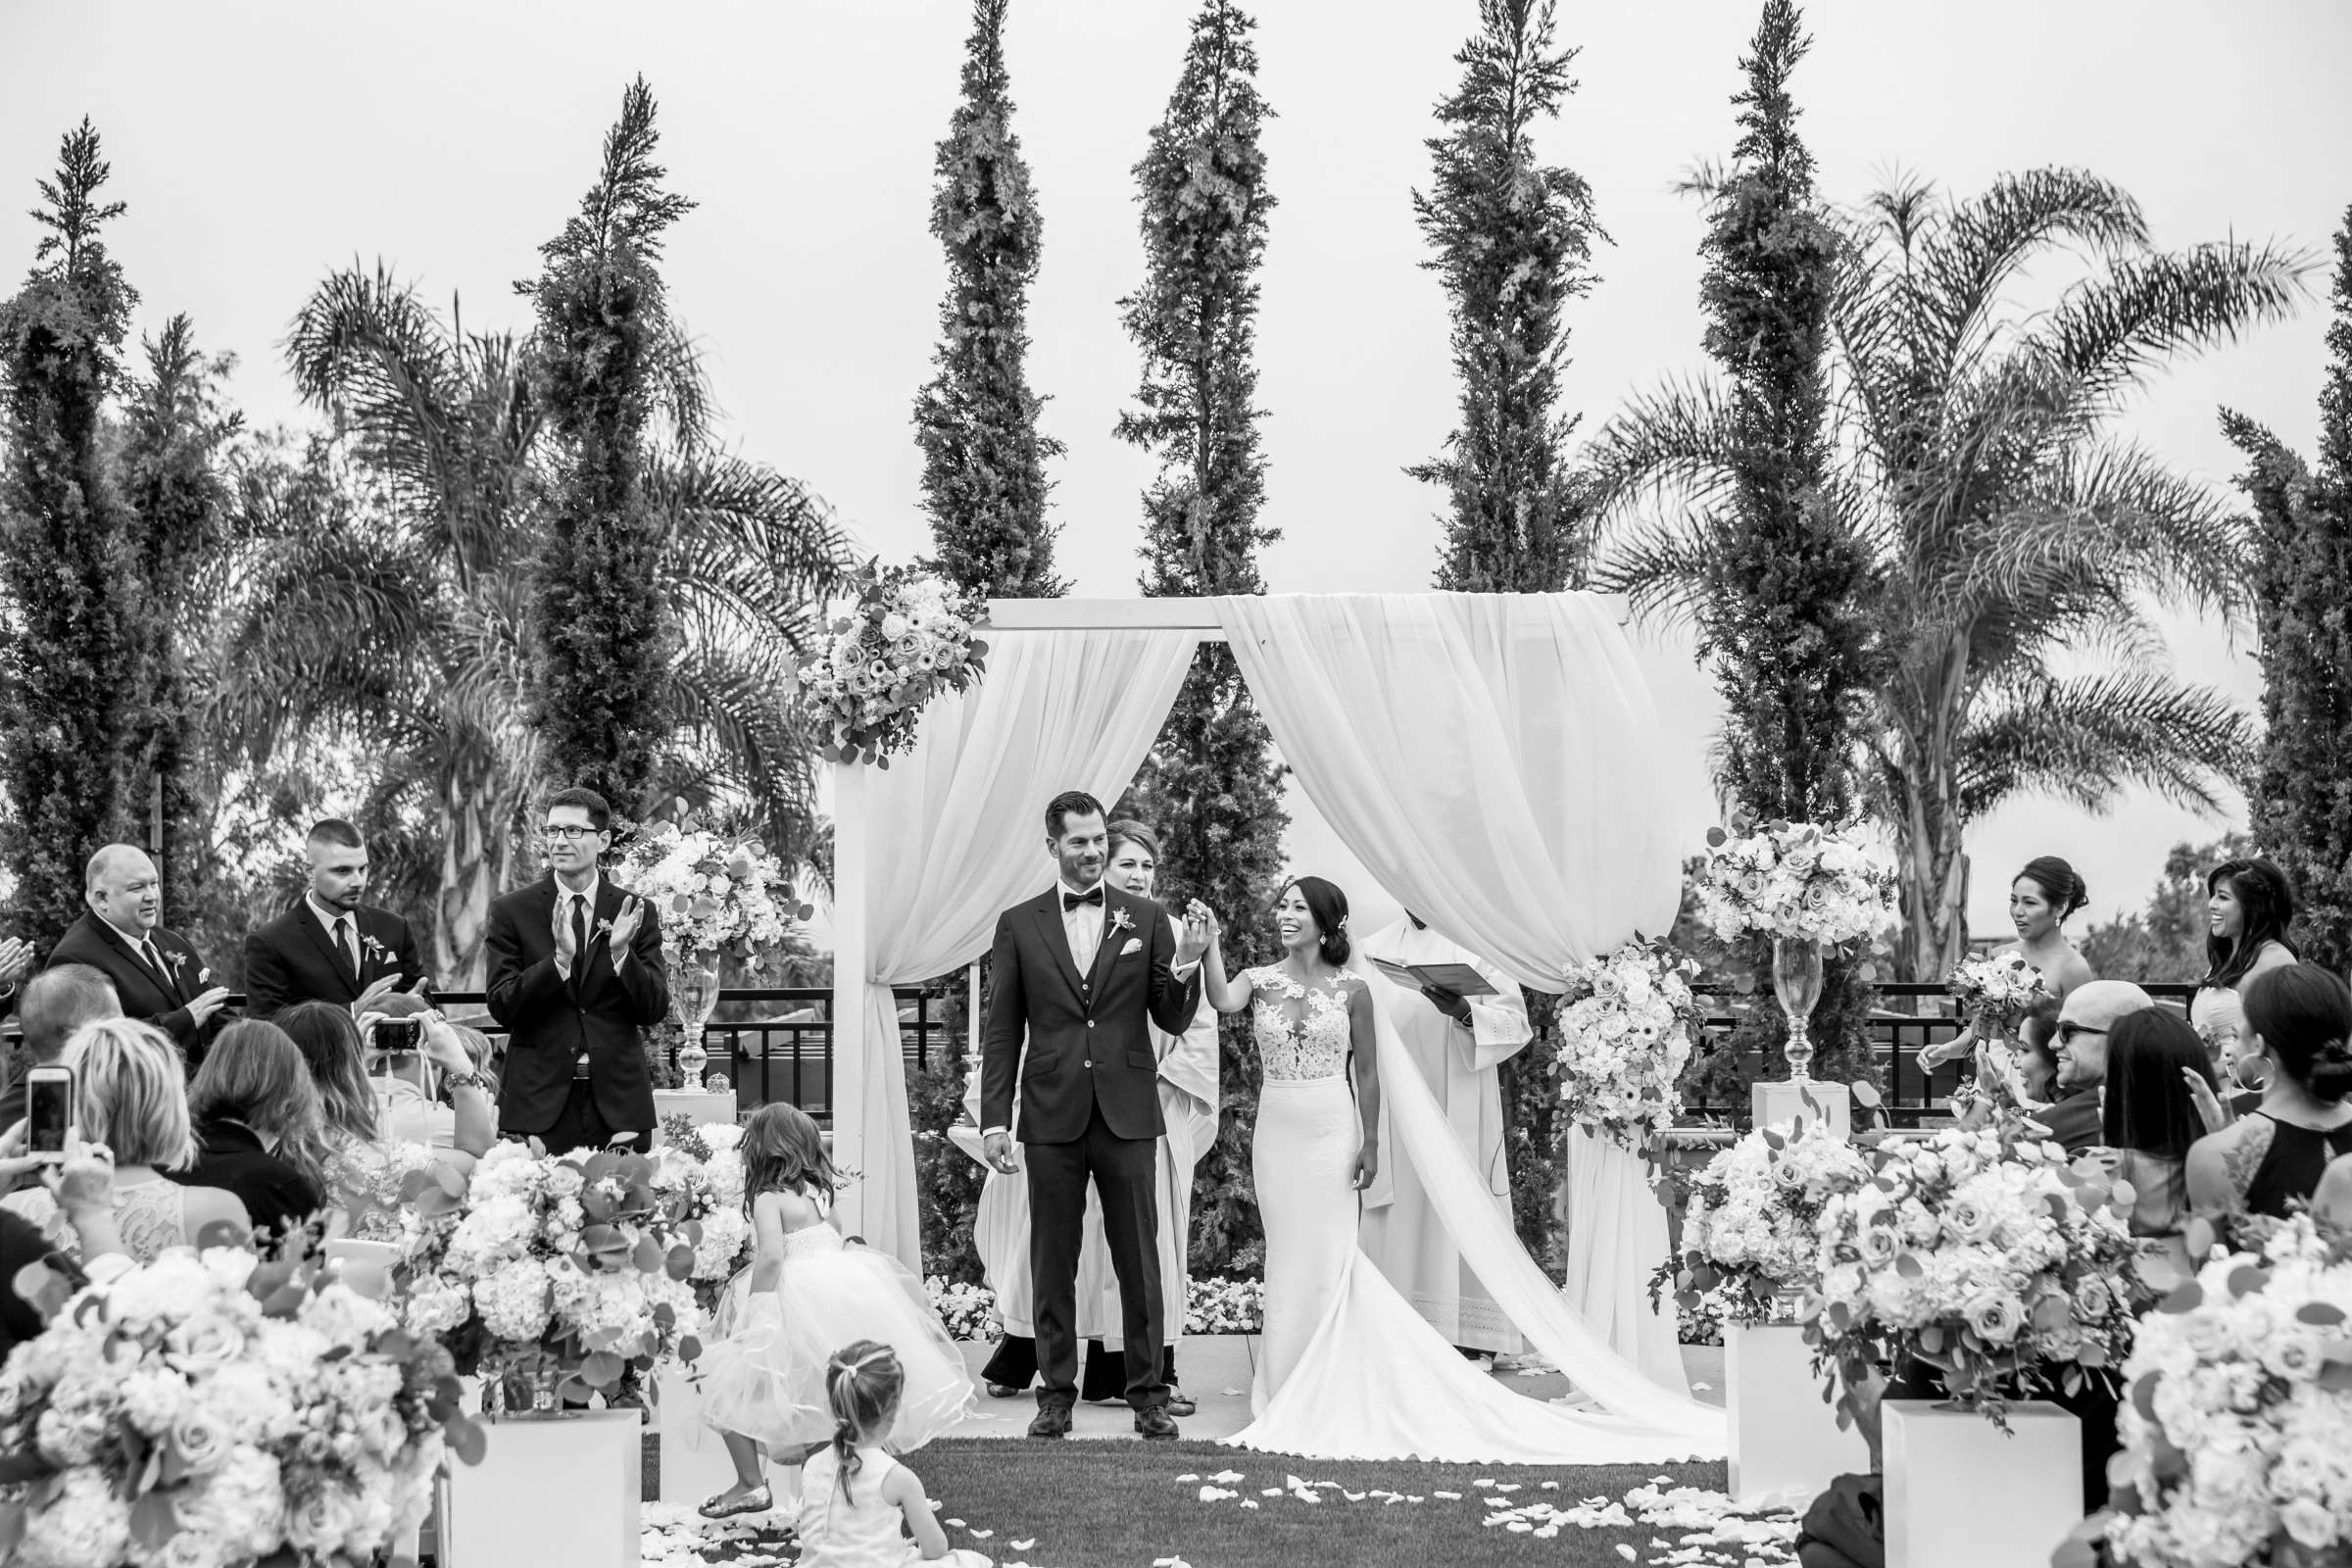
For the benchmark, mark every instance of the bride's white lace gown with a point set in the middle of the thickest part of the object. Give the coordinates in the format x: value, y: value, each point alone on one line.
x: 1349, y: 1370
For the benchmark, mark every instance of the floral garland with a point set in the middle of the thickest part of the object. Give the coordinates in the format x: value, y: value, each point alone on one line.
x: 1792, y: 879
x: 908, y: 638
x: 213, y: 1409
x: 1982, y: 1253
x: 1212, y: 1307
x: 714, y: 894
x: 541, y: 1270
x: 1750, y: 1234
x: 2237, y: 1431
x: 1627, y: 1023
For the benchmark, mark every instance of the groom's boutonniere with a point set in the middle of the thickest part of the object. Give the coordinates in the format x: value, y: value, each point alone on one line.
x: 1120, y: 920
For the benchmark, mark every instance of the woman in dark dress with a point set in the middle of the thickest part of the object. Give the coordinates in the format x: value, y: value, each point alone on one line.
x: 257, y: 1119
x: 2267, y: 1164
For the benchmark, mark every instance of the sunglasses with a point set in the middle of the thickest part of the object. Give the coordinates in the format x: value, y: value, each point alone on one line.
x: 2069, y: 1033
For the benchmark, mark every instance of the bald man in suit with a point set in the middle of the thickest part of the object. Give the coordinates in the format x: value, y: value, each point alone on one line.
x: 160, y: 978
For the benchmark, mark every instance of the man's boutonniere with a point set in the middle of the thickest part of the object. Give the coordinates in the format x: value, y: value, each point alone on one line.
x: 174, y: 959
x: 376, y: 950
x: 603, y: 928
x: 1120, y: 920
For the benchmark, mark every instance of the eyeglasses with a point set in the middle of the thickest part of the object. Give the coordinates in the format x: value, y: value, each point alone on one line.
x: 2068, y: 1032
x: 568, y: 831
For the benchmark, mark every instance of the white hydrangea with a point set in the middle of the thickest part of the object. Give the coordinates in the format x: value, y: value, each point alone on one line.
x: 1625, y: 1033
x: 1793, y: 880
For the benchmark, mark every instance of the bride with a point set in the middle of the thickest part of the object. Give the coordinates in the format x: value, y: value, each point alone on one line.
x: 1349, y: 1370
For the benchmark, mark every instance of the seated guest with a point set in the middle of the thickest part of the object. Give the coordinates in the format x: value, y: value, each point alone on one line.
x: 362, y: 1134
x: 157, y: 976
x: 2298, y: 1020
x: 2086, y: 1019
x: 130, y: 1094
x: 15, y: 958
x: 54, y: 1003
x: 418, y: 1093
x: 2028, y: 1075
x: 259, y: 1133
x: 83, y: 1189
x: 2332, y: 1205
x: 331, y: 946
x: 2150, y: 1121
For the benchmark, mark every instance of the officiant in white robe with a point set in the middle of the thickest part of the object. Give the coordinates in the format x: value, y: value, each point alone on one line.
x: 1457, y: 1049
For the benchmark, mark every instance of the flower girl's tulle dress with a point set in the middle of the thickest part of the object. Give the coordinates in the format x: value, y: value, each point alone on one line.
x: 765, y: 1375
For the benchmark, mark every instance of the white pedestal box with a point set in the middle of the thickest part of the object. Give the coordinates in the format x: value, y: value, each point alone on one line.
x: 550, y: 1490
x: 706, y: 1109
x: 1962, y: 1495
x: 1784, y: 1437
x: 1786, y: 1104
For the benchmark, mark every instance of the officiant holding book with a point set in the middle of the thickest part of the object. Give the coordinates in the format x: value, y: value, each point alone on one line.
x: 1462, y: 1018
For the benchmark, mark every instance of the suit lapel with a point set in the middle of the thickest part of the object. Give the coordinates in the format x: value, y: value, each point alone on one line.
x: 131, y: 956
x: 1107, y: 951
x: 307, y: 918
x: 1058, y: 941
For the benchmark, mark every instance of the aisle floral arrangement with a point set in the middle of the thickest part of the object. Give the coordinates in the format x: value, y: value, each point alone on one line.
x: 1627, y: 1023
x: 1989, y: 1257
x: 702, y: 1163
x: 715, y: 894
x: 549, y: 1274
x: 907, y: 638
x: 1212, y: 1307
x: 215, y: 1410
x: 1796, y: 880
x: 1750, y: 1231
x: 2237, y: 1425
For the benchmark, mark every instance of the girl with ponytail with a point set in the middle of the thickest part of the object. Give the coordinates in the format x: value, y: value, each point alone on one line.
x: 854, y: 1495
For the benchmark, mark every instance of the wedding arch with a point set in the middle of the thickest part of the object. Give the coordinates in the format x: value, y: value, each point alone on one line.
x: 1491, y: 759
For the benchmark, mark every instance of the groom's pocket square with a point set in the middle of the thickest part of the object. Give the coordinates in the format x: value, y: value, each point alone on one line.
x: 1134, y: 945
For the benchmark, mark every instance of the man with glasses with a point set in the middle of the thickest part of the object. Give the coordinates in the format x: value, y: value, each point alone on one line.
x: 575, y: 973
x: 2080, y: 1046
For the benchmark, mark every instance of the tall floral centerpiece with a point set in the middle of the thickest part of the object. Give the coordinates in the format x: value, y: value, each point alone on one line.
x: 552, y: 1276
x: 1805, y: 886
x: 717, y: 896
x: 906, y: 637
x: 213, y: 1409
x: 1627, y: 1023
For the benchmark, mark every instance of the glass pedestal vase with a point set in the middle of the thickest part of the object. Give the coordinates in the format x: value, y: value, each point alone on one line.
x: 1796, y: 981
x: 693, y: 998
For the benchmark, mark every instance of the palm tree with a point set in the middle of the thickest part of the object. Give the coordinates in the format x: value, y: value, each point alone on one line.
x: 386, y: 597
x: 2009, y: 530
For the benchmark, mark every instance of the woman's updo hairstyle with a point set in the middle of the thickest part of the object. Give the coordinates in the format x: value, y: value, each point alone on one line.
x: 2060, y: 883
x: 2304, y: 1016
x: 1329, y: 906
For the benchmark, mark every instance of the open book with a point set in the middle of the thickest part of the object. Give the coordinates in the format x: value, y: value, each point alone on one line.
x: 1458, y: 978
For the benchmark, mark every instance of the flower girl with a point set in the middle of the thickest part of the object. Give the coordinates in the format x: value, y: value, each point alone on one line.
x: 806, y: 1292
x: 854, y: 1495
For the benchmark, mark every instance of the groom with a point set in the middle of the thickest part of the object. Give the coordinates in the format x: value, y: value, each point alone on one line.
x: 1084, y: 971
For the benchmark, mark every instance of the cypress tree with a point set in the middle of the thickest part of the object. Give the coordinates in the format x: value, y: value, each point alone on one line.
x: 606, y: 359
x: 2301, y: 785
x: 1513, y: 237
x: 70, y: 644
x: 984, y: 480
x: 1210, y: 786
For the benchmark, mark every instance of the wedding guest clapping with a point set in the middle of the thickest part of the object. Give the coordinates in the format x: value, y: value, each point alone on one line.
x: 331, y: 946
x: 158, y: 978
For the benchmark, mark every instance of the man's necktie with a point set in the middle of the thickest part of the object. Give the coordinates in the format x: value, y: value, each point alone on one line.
x: 155, y: 961
x: 351, y: 949
x: 1093, y: 896
x: 579, y: 937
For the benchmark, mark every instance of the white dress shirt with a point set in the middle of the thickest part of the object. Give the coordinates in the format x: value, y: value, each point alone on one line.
x: 335, y: 920
x: 563, y: 900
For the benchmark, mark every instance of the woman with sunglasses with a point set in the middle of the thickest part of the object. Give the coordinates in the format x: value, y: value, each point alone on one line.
x: 2299, y: 1028
x: 2249, y: 906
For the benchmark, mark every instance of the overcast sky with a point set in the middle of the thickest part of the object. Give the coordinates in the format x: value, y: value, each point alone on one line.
x: 259, y: 145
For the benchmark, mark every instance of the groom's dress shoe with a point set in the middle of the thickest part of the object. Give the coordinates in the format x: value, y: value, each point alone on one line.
x: 1053, y: 1421
x: 1155, y: 1422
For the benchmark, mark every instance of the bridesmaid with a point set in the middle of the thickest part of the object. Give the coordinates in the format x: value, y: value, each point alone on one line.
x: 2041, y: 899
x: 2249, y: 906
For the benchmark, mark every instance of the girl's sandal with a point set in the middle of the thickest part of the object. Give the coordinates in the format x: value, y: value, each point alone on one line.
x: 730, y: 1505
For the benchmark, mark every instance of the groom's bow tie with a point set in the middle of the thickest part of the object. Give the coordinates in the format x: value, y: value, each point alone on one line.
x: 1093, y: 896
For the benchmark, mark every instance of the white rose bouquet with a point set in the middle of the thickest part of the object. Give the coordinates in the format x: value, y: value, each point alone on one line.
x: 2237, y: 1428
x: 970, y: 1311
x: 1795, y: 880
x: 558, y: 1275
x: 1987, y: 1256
x: 1225, y: 1307
x: 714, y: 894
x: 213, y: 1410
x: 907, y: 638
x: 1750, y: 1232
x: 2002, y: 984
x: 1627, y: 1023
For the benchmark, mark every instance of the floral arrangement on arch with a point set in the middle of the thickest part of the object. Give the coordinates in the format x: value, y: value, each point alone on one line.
x: 215, y: 1410
x: 1985, y: 1254
x: 1627, y: 1023
x: 552, y: 1275
x: 715, y: 894
x: 1792, y: 879
x: 1750, y: 1233
x: 2236, y: 1426
x: 907, y: 638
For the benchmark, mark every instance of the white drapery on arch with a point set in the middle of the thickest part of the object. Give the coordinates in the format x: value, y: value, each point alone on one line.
x: 1491, y: 759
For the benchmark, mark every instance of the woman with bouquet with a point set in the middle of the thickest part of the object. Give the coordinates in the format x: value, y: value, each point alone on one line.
x: 2042, y: 960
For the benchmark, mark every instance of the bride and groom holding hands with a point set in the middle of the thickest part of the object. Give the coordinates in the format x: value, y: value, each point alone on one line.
x: 1081, y: 976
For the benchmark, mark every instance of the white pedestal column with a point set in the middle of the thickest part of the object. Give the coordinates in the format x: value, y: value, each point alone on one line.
x: 1784, y: 1437
x: 561, y: 1489
x: 847, y: 1082
x: 1961, y: 1495
x: 1783, y: 1103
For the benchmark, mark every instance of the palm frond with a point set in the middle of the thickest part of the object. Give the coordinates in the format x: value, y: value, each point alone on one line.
x: 2085, y: 739
x: 1664, y: 569
x: 1677, y: 441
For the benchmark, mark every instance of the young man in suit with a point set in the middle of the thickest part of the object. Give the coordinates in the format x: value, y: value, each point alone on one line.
x: 575, y: 972
x: 1082, y: 973
x: 158, y: 978
x: 331, y: 946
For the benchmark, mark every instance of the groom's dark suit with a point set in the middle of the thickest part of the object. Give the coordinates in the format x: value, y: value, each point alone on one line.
x: 1090, y: 1107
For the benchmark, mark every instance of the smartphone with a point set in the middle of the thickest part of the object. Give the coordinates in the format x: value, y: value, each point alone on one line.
x: 48, y: 1112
